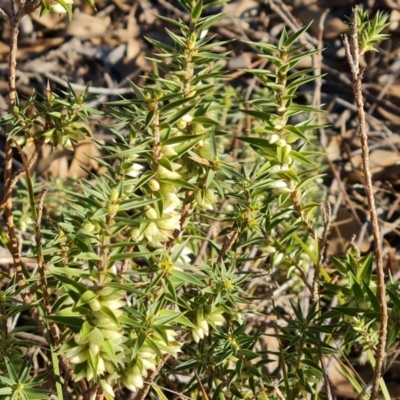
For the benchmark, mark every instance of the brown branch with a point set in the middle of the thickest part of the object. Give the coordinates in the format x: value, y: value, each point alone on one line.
x: 15, y: 20
x: 142, y: 393
x: 228, y: 245
x: 353, y: 58
x: 18, y: 174
x: 322, y: 244
x: 4, y: 15
x: 42, y: 268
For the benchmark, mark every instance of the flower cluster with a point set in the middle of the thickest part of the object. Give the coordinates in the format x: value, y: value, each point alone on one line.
x: 147, y: 359
x: 99, y: 346
x: 203, y: 320
x: 104, y: 351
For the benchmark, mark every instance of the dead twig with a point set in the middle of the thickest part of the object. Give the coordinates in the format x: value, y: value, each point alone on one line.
x: 353, y: 58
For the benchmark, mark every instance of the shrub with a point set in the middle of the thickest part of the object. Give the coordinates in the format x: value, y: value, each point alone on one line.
x: 132, y: 286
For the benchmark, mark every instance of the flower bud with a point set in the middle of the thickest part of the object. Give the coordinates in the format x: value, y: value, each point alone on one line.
x: 210, y: 196
x: 197, y: 334
x: 273, y: 138
x: 151, y: 213
x: 80, y: 357
x: 278, y: 258
x: 154, y: 185
x: 167, y: 188
x: 198, y: 128
x: 94, y: 304
x: 181, y: 124
x: 112, y: 208
x: 114, y: 195
x: 134, y: 377
x: 277, y: 184
x: 270, y: 250
x: 134, y: 170
x: 113, y: 305
x: 291, y: 138
x: 282, y: 190
x: 96, y: 337
x: 166, y: 173
x: 168, y: 150
x: 171, y: 202
x: 107, y: 388
x: 136, y: 236
x: 88, y: 227
x: 94, y: 348
x: 58, y: 8
x: 205, y: 151
x: 169, y: 222
x: 187, y: 118
x: 281, y: 142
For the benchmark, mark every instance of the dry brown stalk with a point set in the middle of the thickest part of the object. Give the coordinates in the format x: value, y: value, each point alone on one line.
x: 353, y: 57
x: 14, y: 19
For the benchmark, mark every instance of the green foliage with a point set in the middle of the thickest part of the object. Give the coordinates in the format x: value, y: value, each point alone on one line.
x: 370, y: 32
x: 130, y: 276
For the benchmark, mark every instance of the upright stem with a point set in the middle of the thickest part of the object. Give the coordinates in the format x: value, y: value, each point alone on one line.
x: 353, y: 56
x: 12, y: 67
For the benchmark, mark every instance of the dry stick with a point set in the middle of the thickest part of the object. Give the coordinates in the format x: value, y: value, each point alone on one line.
x: 141, y: 395
x: 353, y: 58
x: 18, y: 174
x: 315, y: 293
x: 14, y: 19
x: 41, y: 267
x: 12, y: 65
x: 228, y: 246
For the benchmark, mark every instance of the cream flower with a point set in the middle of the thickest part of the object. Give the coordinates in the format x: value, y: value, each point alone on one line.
x: 171, y: 202
x: 169, y: 222
x: 58, y: 8
x: 155, y: 237
x: 134, y: 170
x: 166, y: 173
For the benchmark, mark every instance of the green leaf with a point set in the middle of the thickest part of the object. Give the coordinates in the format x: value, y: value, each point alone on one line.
x: 185, y: 277
x: 300, y: 158
x: 365, y: 271
x: 358, y: 292
x: 339, y: 265
x: 372, y: 298
x: 206, y: 22
x: 109, y: 349
x: 88, y: 256
x: 292, y: 38
x: 87, y: 297
x: 138, y: 91
x: 197, y: 10
x: 179, y: 114
x: 180, y: 183
x: 170, y: 21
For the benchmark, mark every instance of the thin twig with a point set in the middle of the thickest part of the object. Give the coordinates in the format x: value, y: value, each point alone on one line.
x: 353, y: 58
x: 42, y: 268
x: 322, y: 244
x: 18, y: 174
x: 227, y: 246
x: 92, y: 89
x: 142, y: 393
x: 4, y: 15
